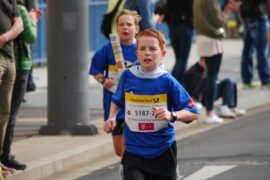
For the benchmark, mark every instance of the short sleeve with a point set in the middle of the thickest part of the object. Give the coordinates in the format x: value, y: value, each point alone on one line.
x: 15, y: 11
x: 99, y: 61
x: 119, y: 94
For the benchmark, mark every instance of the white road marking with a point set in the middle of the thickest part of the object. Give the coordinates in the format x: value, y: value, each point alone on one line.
x: 208, y: 172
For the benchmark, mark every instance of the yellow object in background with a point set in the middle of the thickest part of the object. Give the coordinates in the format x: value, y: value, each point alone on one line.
x: 232, y: 29
x: 231, y: 24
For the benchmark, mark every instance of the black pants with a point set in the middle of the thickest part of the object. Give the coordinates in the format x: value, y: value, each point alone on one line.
x: 18, y: 93
x: 162, y: 167
x: 139, y: 174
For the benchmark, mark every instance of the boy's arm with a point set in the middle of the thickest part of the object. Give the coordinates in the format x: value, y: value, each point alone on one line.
x: 183, y: 108
x: 110, y: 124
x: 184, y: 115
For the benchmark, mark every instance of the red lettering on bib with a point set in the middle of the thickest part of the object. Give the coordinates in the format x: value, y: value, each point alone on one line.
x: 145, y: 126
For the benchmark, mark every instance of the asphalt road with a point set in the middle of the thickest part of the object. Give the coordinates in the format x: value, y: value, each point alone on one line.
x: 239, y: 150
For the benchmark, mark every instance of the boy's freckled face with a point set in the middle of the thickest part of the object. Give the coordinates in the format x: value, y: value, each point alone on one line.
x: 126, y: 28
x: 149, y: 53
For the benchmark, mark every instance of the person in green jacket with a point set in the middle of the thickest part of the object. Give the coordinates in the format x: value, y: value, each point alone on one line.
x: 23, y: 65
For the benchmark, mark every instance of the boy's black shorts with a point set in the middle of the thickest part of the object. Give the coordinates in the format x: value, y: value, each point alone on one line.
x: 162, y: 167
x: 119, y: 127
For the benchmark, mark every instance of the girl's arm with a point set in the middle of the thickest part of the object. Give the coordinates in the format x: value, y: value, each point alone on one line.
x: 106, y: 82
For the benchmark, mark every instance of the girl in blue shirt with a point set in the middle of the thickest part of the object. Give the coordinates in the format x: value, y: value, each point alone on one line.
x: 104, y: 70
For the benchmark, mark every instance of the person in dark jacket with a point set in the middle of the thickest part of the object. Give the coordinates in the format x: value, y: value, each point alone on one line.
x: 23, y: 65
x: 10, y: 27
x: 256, y: 27
x: 179, y: 17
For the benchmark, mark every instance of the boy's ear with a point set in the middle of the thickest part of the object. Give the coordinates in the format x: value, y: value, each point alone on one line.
x: 164, y: 52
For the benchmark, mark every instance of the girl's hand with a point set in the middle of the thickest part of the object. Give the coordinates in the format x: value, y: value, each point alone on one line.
x: 108, y: 83
x: 162, y: 113
x: 109, y: 125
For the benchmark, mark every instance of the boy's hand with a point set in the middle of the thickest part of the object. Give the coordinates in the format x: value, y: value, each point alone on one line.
x: 109, y: 125
x: 162, y: 113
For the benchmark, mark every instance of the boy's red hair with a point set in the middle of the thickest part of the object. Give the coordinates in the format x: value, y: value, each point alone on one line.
x: 153, y: 33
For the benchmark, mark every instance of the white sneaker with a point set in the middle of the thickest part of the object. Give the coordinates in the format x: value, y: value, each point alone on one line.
x: 214, y: 119
x: 238, y: 112
x: 226, y: 112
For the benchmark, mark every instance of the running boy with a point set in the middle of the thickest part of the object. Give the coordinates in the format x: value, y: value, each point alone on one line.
x: 103, y: 67
x: 152, y: 100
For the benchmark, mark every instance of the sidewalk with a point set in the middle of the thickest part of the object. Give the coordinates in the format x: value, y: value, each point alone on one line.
x: 48, y: 155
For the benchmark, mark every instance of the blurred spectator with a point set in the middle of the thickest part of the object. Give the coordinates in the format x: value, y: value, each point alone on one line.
x: 23, y: 65
x: 31, y: 86
x: 179, y: 17
x: 145, y: 9
x: 10, y: 27
x: 111, y: 5
x: 209, y: 22
x: 226, y: 89
x: 256, y: 27
x: 4, y: 171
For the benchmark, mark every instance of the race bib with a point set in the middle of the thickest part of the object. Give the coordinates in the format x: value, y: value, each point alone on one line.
x: 139, y: 114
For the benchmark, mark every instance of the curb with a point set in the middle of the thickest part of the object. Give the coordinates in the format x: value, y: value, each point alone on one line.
x: 62, y: 161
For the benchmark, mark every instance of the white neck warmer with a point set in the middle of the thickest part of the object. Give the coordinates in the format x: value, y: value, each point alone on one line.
x: 137, y: 71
